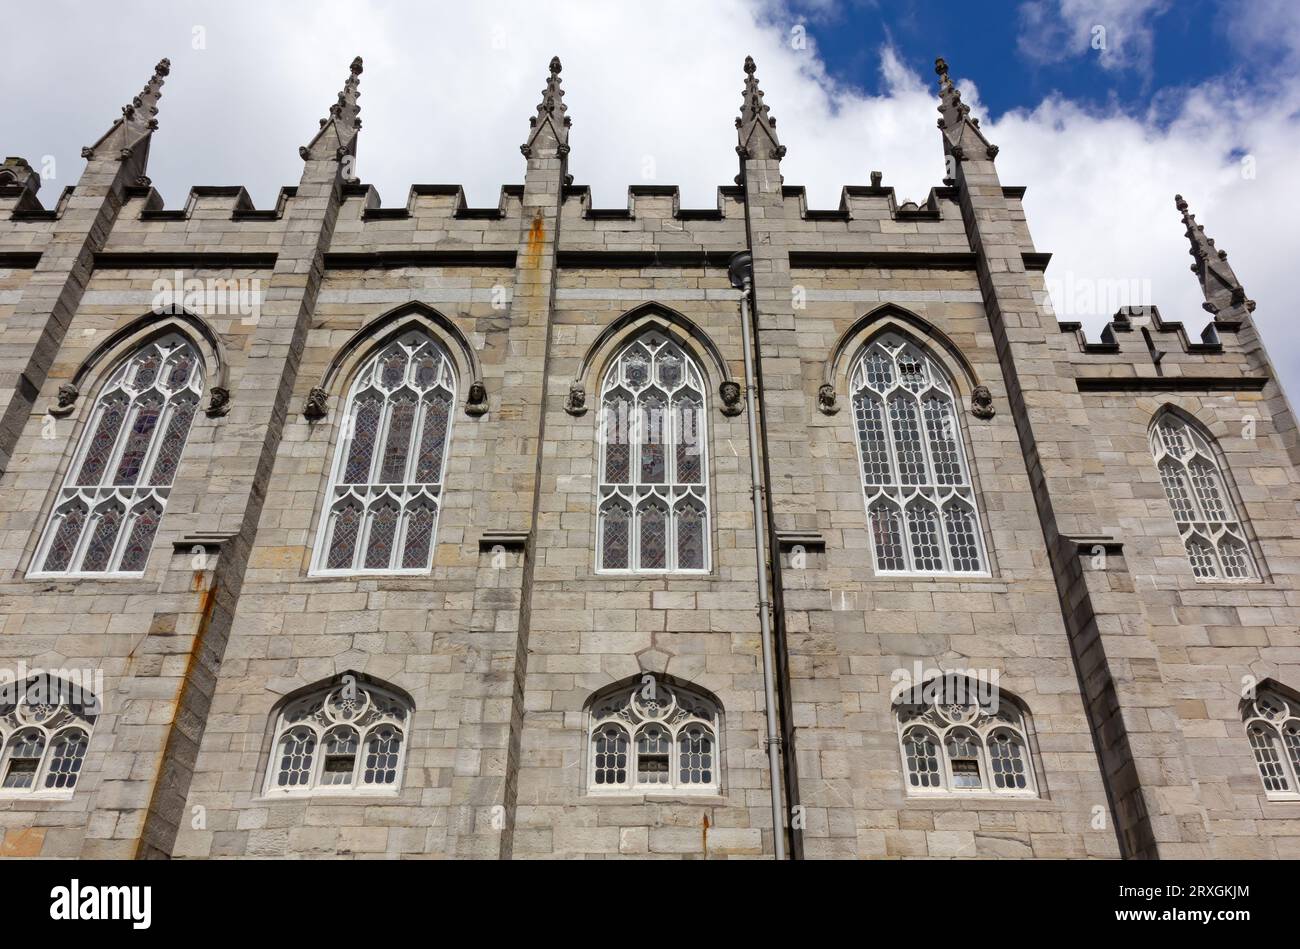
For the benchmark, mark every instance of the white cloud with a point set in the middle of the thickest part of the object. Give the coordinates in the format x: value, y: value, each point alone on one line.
x: 448, y: 90
x: 1120, y: 33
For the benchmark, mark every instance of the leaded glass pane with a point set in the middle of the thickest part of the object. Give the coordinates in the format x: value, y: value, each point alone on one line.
x: 137, y: 440
x: 67, y: 752
x: 419, y: 537
x: 1268, y: 758
x: 103, y: 535
x: 963, y: 542
x: 140, y: 540
x: 25, y: 752
x: 173, y: 442
x: 941, y: 431
x: 1235, y: 559
x: 615, y: 529
x: 433, y: 440
x: 59, y: 557
x: 907, y: 441
x: 1202, y: 559
x: 690, y: 537
x: 923, y: 532
x: 1176, y: 490
x: 610, y: 761
x: 101, y: 443
x: 340, y: 756
x: 383, y: 745
x: 887, y: 535
x: 872, y: 441
x: 383, y: 531
x: 1007, y: 762
x: 1206, y: 485
x: 964, y: 759
x: 393, y: 369
x: 401, y: 420
x: 343, y: 541
x: 365, y: 430
x: 297, y: 752
x: 695, y: 755
x: 690, y: 447
x: 921, y: 753
x: 652, y: 750
x: 618, y: 441
x: 652, y: 440
x: 653, y: 536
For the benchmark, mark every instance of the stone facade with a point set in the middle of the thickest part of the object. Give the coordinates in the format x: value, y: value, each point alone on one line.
x: 1131, y: 671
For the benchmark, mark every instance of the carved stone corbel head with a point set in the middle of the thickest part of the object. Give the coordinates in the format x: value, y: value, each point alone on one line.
x: 827, y: 400
x: 576, y: 403
x: 317, y: 404
x: 67, y: 400
x: 981, y: 402
x: 219, y: 403
x: 729, y: 392
x: 477, y: 403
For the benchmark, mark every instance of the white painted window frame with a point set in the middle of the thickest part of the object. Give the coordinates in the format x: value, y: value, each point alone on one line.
x: 321, y: 722
x: 405, y: 494
x: 97, y: 498
x: 1274, y: 712
x: 670, y: 492
x: 897, y: 495
x: 627, y: 709
x: 1166, y: 430
x: 983, y: 722
x: 51, y: 720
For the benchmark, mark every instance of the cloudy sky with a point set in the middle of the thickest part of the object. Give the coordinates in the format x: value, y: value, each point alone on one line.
x: 1103, y: 108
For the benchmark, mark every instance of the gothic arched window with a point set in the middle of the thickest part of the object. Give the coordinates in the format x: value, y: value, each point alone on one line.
x: 45, y: 726
x: 385, y: 488
x: 920, y: 500
x: 649, y: 736
x: 1207, y: 520
x: 653, y: 497
x: 961, y: 736
x: 116, y: 489
x: 347, y: 737
x: 1273, y: 730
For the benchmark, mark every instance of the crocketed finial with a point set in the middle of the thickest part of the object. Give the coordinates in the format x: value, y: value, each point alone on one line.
x: 1224, y: 295
x: 961, y: 132
x: 338, y: 130
x: 139, y: 118
x: 548, y: 134
x: 756, y: 129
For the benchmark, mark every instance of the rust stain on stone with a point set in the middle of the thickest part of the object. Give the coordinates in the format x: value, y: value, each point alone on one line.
x: 536, y: 234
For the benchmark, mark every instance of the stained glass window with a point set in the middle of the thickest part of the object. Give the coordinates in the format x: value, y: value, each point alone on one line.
x: 390, y: 462
x: 963, y: 737
x: 675, y: 745
x: 1204, y: 513
x: 912, y: 460
x: 45, y: 735
x: 108, y: 511
x: 344, y: 737
x: 1273, y: 730
x: 653, y: 460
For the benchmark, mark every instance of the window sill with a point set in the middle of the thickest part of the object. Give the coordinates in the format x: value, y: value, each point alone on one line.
x: 317, y: 794
x: 983, y: 801
x: 711, y: 796
x: 8, y: 795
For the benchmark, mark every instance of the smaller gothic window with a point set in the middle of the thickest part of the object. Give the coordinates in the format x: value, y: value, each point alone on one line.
x: 1207, y: 521
x: 111, y: 504
x: 1273, y: 731
x: 962, y: 736
x: 347, y: 737
x: 650, y: 737
x: 45, y: 726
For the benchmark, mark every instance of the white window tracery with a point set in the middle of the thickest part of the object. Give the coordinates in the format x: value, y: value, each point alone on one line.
x: 1273, y: 730
x: 653, y: 737
x: 45, y: 727
x: 115, y: 491
x: 1204, y: 512
x: 959, y: 739
x: 385, y: 487
x: 653, y: 496
x: 920, y: 500
x: 348, y: 737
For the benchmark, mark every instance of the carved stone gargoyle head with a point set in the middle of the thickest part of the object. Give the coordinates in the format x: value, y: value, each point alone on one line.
x: 219, y: 404
x: 477, y: 403
x: 68, y: 394
x: 729, y: 392
x: 576, y: 403
x: 981, y: 402
x: 317, y: 404
x: 827, y: 400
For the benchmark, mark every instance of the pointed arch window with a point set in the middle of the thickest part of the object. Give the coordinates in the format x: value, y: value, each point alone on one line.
x: 344, y: 738
x: 385, y: 488
x: 653, y: 496
x: 1207, y: 520
x: 650, y: 737
x: 920, y: 500
x: 1273, y: 729
x: 116, y: 489
x: 958, y: 736
x: 45, y: 727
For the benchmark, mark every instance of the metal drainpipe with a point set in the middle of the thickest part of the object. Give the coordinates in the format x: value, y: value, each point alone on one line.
x: 741, y: 272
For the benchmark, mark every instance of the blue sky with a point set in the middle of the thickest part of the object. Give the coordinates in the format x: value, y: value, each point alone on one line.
x: 1200, y: 97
